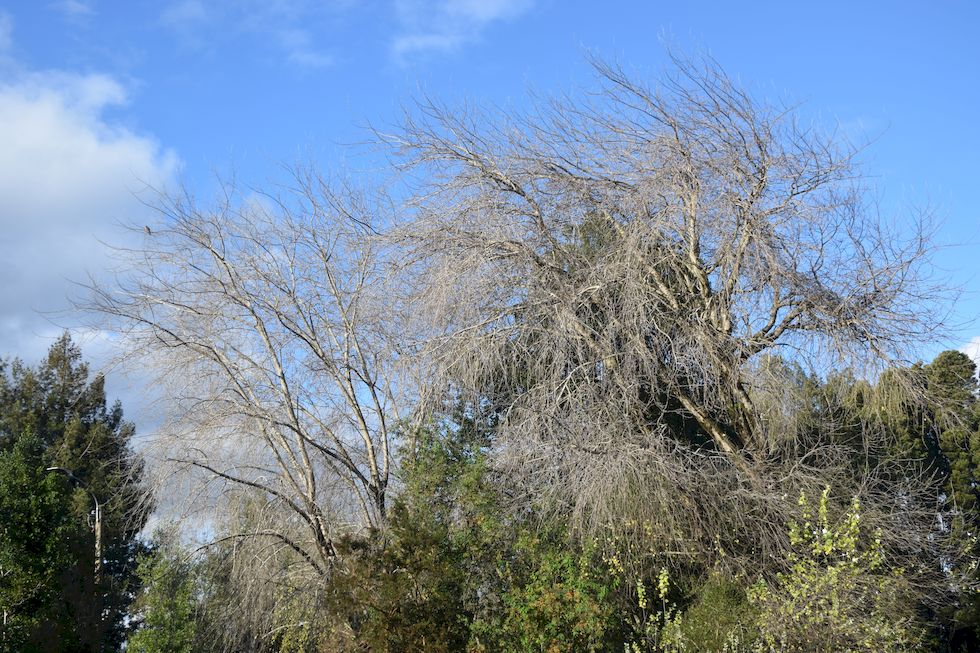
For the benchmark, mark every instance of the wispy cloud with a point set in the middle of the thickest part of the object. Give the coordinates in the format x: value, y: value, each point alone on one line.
x: 6, y: 31
x: 184, y: 14
x: 434, y: 26
x: 74, y: 9
x: 303, y: 33
x: 283, y: 23
x: 300, y: 49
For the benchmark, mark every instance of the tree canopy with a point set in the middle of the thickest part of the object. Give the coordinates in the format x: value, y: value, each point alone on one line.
x: 575, y: 385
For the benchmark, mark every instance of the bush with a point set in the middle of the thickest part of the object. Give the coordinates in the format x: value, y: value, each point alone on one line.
x: 166, y: 606
x: 720, y: 616
x: 839, y: 594
x: 559, y: 599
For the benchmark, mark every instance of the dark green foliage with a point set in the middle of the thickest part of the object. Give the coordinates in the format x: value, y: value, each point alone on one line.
x: 955, y: 418
x: 65, y: 413
x: 455, y: 571
x: 35, y: 531
x: 416, y: 586
x: 953, y: 423
x: 560, y: 599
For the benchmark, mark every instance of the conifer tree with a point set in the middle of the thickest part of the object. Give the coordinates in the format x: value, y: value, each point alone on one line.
x: 60, y: 415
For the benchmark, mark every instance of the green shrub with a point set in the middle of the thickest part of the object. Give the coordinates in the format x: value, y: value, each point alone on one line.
x: 558, y: 601
x: 166, y: 606
x: 719, y: 616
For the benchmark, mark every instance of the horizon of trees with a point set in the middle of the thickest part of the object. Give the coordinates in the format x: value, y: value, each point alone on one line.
x: 628, y: 372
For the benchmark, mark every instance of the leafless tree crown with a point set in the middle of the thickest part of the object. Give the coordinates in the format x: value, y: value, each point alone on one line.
x: 265, y: 318
x: 633, y: 255
x: 611, y: 274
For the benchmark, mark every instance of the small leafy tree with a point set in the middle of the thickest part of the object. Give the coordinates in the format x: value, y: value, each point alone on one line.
x: 167, y: 603
x: 455, y: 571
x: 560, y: 601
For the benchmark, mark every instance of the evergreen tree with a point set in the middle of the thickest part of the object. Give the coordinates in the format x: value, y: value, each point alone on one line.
x: 75, y: 429
x: 955, y: 416
x: 35, y: 527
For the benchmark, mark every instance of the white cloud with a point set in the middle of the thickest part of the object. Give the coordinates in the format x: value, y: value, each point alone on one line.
x: 429, y: 26
x: 68, y: 177
x: 972, y: 349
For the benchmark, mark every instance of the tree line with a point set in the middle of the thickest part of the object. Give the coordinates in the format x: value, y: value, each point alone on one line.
x: 628, y: 370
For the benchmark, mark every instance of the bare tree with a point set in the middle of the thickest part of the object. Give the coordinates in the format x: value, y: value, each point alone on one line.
x: 608, y: 274
x: 265, y: 318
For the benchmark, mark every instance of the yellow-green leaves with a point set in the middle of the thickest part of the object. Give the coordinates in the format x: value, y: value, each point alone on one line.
x: 838, y: 594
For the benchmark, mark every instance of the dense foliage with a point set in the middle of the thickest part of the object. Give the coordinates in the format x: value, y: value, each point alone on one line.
x: 54, y: 415
x: 459, y: 568
x: 166, y: 609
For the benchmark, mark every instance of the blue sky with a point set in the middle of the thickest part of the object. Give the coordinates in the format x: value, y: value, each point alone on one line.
x: 98, y: 98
